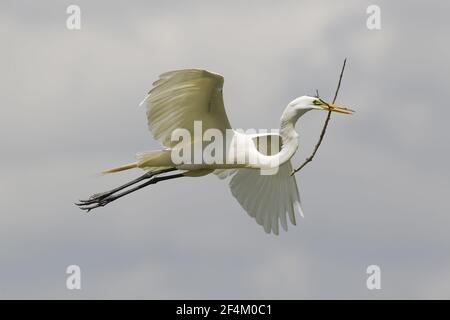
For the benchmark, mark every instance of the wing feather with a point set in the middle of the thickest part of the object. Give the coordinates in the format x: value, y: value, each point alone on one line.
x: 267, y: 198
x: 181, y: 97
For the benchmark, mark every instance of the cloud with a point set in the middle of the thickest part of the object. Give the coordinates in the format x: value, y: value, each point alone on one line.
x: 375, y: 194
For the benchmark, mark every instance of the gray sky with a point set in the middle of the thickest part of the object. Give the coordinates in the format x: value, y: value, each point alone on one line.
x: 375, y: 194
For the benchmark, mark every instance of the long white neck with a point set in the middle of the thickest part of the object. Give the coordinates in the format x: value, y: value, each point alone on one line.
x: 288, y: 135
x: 289, y: 140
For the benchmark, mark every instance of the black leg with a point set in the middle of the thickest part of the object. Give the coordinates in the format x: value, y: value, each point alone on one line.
x: 103, y: 201
x: 98, y: 196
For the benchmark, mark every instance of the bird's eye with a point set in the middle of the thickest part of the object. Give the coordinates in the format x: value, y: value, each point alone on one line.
x: 317, y: 102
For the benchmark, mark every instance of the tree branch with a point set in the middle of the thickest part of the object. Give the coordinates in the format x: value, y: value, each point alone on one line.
x: 324, y: 129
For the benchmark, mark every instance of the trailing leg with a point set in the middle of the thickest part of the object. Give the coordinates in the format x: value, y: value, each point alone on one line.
x: 99, y: 196
x: 104, y: 200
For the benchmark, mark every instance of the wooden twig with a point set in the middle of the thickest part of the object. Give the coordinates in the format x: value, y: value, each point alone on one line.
x: 324, y: 129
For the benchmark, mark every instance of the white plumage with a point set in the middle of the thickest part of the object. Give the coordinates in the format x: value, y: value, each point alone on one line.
x: 177, y: 100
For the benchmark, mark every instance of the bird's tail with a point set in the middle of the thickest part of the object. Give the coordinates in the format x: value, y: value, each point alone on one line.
x: 121, y: 168
x: 150, y: 160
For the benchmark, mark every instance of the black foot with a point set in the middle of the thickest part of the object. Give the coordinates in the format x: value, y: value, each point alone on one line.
x: 102, y: 199
x: 95, y: 201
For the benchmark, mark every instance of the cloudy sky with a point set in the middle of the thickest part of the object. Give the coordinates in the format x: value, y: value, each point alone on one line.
x: 376, y: 193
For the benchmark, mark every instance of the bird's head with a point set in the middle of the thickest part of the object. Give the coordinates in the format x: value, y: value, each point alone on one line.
x: 305, y: 103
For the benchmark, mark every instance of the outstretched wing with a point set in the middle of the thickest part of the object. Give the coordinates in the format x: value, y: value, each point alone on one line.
x: 181, y: 97
x: 269, y: 199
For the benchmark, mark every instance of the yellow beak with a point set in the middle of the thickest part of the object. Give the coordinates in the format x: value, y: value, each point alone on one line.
x: 334, y: 108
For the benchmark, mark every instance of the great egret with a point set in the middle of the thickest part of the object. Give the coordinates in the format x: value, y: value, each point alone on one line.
x: 182, y: 97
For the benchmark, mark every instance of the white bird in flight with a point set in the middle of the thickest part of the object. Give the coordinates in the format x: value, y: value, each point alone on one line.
x: 180, y: 98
